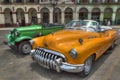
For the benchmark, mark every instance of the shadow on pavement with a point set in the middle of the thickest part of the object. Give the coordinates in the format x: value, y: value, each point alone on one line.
x: 17, y: 54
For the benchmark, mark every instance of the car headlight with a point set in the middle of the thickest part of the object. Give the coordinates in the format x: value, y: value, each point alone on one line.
x: 31, y: 42
x: 73, y: 53
x: 16, y: 33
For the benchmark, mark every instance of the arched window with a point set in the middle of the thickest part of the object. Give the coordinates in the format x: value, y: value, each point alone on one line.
x: 32, y: 16
x: 96, y: 14
x: 18, y: 1
x: 108, y: 15
x: 8, y: 17
x: 97, y: 1
x: 83, y: 13
x: 84, y: 1
x: 20, y: 16
x: 57, y: 15
x: 118, y: 17
x: 45, y: 15
x: 109, y: 1
x: 68, y: 15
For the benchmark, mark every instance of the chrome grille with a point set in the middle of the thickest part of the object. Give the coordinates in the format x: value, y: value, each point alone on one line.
x: 46, y: 58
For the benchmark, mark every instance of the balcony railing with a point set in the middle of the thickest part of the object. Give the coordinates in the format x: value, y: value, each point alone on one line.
x: 6, y: 2
x: 94, y: 2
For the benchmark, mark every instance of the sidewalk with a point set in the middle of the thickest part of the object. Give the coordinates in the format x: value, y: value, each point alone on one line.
x: 10, y: 28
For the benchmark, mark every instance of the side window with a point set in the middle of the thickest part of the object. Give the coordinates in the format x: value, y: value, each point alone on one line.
x: 94, y: 24
x: 77, y: 24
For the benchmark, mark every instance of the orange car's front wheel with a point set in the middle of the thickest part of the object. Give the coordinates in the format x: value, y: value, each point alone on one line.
x: 87, y: 66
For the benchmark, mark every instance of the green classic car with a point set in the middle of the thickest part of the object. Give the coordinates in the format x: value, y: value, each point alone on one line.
x: 18, y: 38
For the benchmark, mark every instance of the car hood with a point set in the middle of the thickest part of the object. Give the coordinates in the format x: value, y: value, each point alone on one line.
x: 28, y: 28
x: 64, y: 40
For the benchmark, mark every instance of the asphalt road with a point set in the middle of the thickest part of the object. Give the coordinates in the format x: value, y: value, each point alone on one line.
x: 15, y: 66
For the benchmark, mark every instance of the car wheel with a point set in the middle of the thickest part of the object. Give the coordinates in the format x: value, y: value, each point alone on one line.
x: 87, y: 67
x: 24, y: 47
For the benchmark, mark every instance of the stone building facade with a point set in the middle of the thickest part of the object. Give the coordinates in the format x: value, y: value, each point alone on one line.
x: 28, y: 12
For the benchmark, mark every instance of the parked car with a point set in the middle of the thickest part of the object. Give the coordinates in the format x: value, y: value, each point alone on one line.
x: 73, y: 49
x: 18, y: 38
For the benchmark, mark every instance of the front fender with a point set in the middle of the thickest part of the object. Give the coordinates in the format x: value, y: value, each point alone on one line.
x: 19, y: 39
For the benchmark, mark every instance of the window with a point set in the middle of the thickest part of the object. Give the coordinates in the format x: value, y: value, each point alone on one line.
x: 109, y: 1
x: 94, y: 24
x: 6, y: 1
x: 97, y: 1
x: 31, y: 0
x: 84, y: 1
x: 18, y: 1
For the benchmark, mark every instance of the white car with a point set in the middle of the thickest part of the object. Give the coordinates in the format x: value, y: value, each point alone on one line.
x: 87, y: 25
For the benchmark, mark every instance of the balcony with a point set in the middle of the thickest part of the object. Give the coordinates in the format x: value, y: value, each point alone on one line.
x: 32, y: 2
x: 6, y: 2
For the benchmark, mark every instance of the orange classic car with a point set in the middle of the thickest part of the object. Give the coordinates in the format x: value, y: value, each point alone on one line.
x: 75, y: 48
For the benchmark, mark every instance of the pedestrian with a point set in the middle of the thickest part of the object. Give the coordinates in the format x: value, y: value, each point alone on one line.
x: 17, y: 23
x: 108, y: 22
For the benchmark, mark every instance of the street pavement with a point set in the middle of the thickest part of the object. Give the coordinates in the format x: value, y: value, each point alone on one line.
x: 15, y: 66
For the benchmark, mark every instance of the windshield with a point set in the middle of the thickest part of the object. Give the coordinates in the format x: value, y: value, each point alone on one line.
x: 79, y: 23
x: 85, y: 25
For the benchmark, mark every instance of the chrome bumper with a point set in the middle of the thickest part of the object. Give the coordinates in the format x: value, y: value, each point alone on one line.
x: 57, y: 64
x: 72, y: 68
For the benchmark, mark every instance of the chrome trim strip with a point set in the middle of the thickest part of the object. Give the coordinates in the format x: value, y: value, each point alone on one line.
x: 71, y: 68
x: 51, y: 52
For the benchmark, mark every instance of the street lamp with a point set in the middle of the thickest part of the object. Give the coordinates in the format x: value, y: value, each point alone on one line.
x: 53, y: 3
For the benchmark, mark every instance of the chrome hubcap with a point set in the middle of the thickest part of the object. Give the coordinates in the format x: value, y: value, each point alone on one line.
x: 26, y: 48
x: 88, y: 65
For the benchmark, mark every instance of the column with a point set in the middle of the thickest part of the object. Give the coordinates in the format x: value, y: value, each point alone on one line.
x: 113, y: 18
x: 63, y: 17
x: 75, y: 14
x: 2, y: 20
x: 51, y: 16
x: 101, y: 17
x: 27, y: 19
x: 14, y: 18
x: 89, y: 15
x: 39, y: 17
